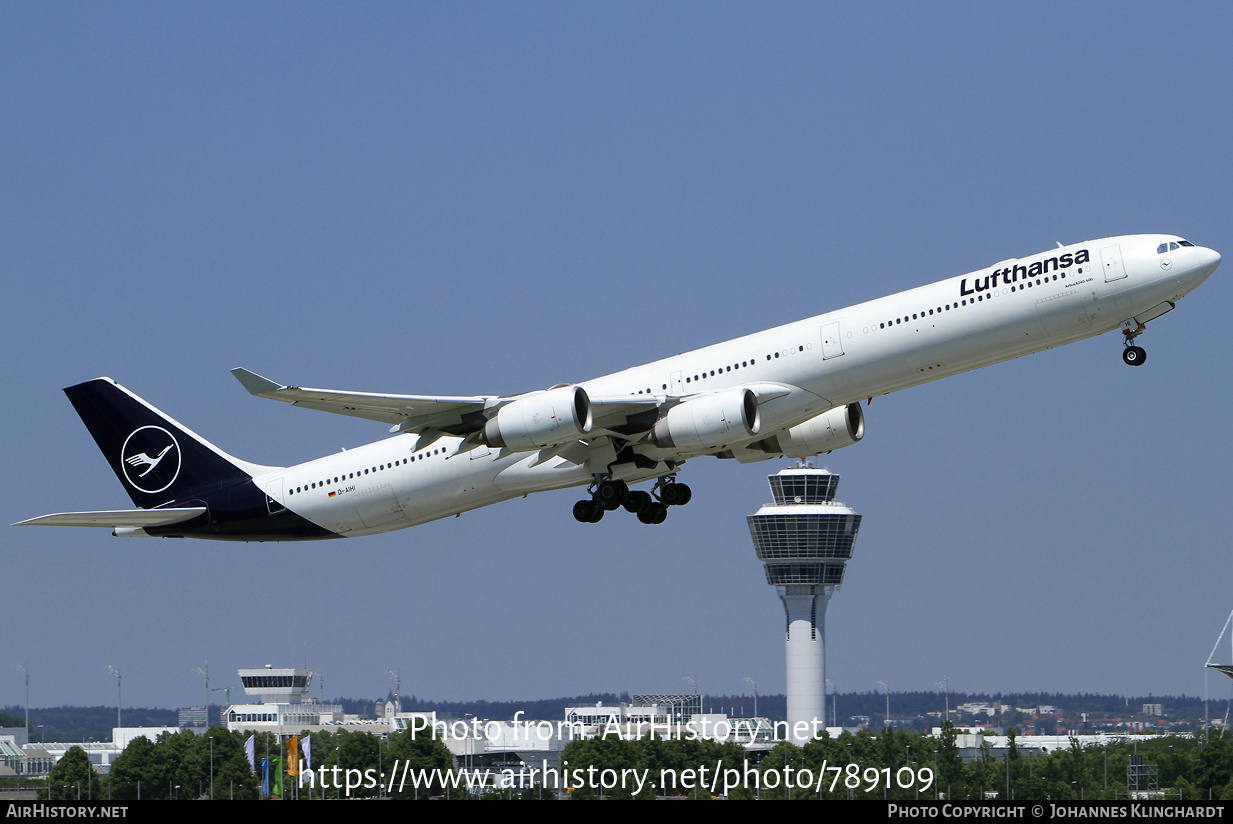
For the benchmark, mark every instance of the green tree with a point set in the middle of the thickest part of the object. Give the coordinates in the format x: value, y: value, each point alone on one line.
x: 223, y: 752
x: 134, y: 772
x: 173, y: 782
x: 606, y: 753
x: 1215, y: 765
x: 417, y: 759
x: 354, y: 754
x: 73, y: 777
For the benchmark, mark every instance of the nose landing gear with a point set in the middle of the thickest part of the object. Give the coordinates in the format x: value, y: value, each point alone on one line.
x: 1133, y: 355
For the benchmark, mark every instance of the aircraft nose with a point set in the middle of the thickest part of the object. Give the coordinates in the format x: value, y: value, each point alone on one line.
x: 1209, y: 259
x: 1199, y: 267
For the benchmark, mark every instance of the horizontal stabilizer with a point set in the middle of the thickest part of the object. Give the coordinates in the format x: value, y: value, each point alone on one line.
x: 118, y: 518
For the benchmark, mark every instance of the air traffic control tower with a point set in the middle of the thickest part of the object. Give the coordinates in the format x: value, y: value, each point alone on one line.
x: 805, y: 540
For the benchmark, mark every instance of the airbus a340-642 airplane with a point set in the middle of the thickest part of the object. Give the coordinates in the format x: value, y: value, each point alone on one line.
x: 790, y: 391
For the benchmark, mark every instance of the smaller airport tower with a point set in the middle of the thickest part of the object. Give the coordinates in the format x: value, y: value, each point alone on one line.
x: 805, y: 540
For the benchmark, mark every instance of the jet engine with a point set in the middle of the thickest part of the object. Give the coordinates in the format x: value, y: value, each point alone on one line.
x: 840, y: 427
x: 709, y: 421
x: 540, y: 419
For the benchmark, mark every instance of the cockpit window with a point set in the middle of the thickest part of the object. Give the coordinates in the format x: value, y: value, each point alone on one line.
x: 1186, y: 243
x: 1171, y: 246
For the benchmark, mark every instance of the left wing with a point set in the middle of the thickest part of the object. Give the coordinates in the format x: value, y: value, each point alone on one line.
x: 548, y: 418
x: 458, y: 415
x: 455, y: 415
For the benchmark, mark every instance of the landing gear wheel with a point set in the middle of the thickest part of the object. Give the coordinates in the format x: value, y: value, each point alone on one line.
x: 1134, y: 355
x: 611, y: 494
x: 588, y: 512
x: 637, y: 501
x: 654, y: 513
x: 683, y: 494
x: 675, y: 494
x: 583, y: 511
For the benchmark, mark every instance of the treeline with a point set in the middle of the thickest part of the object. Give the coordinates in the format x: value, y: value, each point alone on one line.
x: 913, y: 704
x: 186, y: 766
x: 87, y: 723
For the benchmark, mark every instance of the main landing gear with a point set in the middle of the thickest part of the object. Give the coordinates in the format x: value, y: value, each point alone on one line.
x: 1133, y: 355
x: 650, y: 507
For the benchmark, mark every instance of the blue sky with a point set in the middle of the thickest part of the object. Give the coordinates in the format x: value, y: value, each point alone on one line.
x: 494, y: 198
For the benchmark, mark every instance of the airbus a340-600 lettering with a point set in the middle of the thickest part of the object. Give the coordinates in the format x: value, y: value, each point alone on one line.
x: 792, y: 391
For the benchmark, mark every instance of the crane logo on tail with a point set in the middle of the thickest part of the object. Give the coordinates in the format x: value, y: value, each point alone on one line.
x: 151, y: 459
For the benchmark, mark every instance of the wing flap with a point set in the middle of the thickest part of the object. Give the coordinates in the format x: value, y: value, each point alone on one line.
x: 118, y: 518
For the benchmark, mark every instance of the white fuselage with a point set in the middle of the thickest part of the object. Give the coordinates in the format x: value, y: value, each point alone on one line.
x: 1010, y: 309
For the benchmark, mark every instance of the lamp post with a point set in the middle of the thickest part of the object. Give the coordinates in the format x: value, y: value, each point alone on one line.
x: 119, y: 700
x: 26, y: 673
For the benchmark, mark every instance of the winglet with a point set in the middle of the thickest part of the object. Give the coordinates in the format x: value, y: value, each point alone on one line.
x: 254, y: 383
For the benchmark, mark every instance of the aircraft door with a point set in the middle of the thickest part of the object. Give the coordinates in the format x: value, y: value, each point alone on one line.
x: 676, y: 384
x: 1111, y: 256
x: 832, y: 344
x: 274, y: 497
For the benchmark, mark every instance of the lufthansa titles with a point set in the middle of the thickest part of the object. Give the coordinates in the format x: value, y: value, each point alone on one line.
x: 1017, y: 272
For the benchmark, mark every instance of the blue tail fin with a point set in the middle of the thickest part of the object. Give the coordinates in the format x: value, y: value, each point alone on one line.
x: 157, y: 460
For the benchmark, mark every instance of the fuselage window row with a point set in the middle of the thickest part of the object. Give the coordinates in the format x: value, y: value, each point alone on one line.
x: 965, y: 302
x: 362, y: 472
x: 721, y: 370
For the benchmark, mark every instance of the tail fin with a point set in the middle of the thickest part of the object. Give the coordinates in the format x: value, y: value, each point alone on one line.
x: 157, y: 460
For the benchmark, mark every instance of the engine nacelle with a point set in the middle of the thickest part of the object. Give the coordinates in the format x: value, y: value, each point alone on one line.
x: 709, y: 422
x: 540, y: 419
x: 840, y: 427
